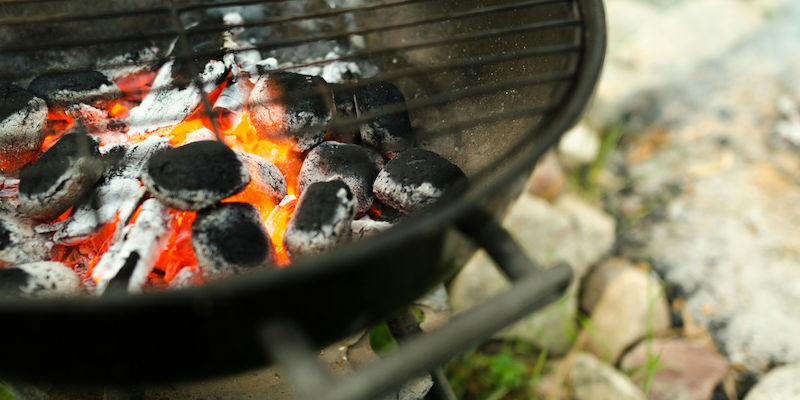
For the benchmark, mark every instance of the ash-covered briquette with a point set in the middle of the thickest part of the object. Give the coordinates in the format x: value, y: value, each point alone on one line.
x: 22, y: 122
x: 60, y: 177
x: 289, y: 105
x: 61, y: 89
x: 166, y: 104
x: 117, y: 195
x: 365, y: 227
x: 388, y: 134
x: 186, y: 277
x: 127, y: 263
x: 196, y: 175
x: 39, y: 279
x: 321, y: 220
x: 351, y: 163
x: 265, y: 175
x: 416, y: 179
x: 230, y: 238
x: 19, y: 243
x: 96, y: 120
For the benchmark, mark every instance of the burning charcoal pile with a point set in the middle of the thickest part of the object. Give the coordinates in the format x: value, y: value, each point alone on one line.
x: 200, y: 169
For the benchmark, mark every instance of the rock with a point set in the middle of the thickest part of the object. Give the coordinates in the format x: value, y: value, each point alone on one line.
x: 570, y: 231
x: 579, y: 146
x: 591, y: 379
x: 597, y: 281
x: 547, y: 180
x: 686, y: 370
x: 631, y: 306
x: 780, y: 383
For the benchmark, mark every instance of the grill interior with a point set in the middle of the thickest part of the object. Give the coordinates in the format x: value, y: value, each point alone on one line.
x: 479, y: 76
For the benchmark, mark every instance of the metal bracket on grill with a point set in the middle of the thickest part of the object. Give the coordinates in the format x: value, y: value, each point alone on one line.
x: 533, y: 288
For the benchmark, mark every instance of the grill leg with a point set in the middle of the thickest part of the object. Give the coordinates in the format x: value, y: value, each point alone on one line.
x: 404, y: 326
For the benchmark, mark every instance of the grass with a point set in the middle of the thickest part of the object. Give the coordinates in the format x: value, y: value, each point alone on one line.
x: 500, y: 370
x: 5, y: 395
x: 584, y: 180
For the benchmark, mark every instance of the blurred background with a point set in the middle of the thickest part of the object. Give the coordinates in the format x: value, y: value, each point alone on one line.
x: 677, y: 201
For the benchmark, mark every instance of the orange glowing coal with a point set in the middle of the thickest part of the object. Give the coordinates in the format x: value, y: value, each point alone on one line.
x: 234, y: 130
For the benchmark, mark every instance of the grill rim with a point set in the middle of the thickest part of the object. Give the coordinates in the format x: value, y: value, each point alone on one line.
x: 546, y: 133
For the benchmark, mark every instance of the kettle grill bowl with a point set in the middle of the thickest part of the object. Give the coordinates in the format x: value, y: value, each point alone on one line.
x: 493, y: 115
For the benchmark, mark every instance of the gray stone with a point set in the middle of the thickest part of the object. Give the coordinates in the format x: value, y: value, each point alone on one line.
x: 724, y: 227
x: 569, y: 231
x: 631, y: 306
x: 547, y: 180
x: 685, y: 370
x: 591, y: 379
x: 780, y: 383
x: 579, y: 145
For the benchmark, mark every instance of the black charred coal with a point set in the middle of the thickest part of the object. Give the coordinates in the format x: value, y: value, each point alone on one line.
x: 196, y: 175
x: 278, y: 108
x: 22, y: 122
x: 345, y: 100
x: 390, y: 133
x: 60, y: 177
x: 382, y: 212
x: 230, y: 238
x: 40, y: 279
x: 321, y: 220
x: 61, y: 89
x: 416, y: 179
x: 351, y: 163
x: 265, y: 175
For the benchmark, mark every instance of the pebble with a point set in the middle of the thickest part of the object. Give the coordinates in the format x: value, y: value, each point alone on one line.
x: 686, y: 370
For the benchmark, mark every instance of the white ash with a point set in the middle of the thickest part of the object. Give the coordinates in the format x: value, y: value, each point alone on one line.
x: 96, y: 120
x: 321, y: 220
x: 22, y: 134
x: 137, y: 156
x: 19, y: 243
x: 122, y: 65
x: 334, y: 71
x: 137, y: 250
x: 186, y: 277
x: 405, y: 198
x: 234, y: 97
x: 265, y: 175
x: 47, y: 279
x: 199, y: 135
x: 116, y: 196
x: 366, y: 226
x: 167, y: 104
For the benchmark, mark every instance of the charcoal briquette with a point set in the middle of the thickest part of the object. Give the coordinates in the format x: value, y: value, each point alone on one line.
x: 265, y: 175
x: 351, y: 163
x: 321, y: 220
x: 416, y: 179
x: 388, y: 134
x: 60, y: 177
x: 345, y: 102
x: 61, y: 89
x: 39, y: 279
x: 22, y: 122
x: 289, y: 105
x: 19, y: 243
x: 196, y: 175
x: 230, y: 238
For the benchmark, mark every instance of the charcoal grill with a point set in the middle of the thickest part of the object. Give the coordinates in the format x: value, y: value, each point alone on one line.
x: 491, y: 85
